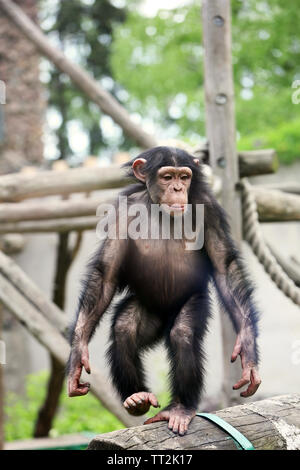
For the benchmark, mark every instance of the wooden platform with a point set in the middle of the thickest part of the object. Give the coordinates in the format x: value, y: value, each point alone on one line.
x: 67, y: 442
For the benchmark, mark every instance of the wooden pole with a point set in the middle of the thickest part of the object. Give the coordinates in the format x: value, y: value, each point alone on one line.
x: 52, y: 209
x: 40, y: 317
x: 106, y: 102
x: 19, y: 186
x: 272, y: 206
x: 271, y: 424
x: 257, y: 162
x: 221, y: 135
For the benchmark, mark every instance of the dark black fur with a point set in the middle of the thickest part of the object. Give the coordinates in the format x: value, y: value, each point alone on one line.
x: 146, y: 315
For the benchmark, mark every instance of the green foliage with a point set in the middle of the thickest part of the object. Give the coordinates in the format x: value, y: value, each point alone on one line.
x: 83, y: 30
x: 75, y: 415
x: 160, y: 62
x: 284, y: 138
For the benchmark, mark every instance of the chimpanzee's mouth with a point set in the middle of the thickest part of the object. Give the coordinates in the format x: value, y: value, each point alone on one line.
x: 177, y: 207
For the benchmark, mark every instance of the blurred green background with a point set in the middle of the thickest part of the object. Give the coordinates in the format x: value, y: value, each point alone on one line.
x: 154, y: 67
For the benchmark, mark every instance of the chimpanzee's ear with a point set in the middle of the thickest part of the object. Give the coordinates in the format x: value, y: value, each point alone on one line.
x: 196, y: 160
x: 137, y: 168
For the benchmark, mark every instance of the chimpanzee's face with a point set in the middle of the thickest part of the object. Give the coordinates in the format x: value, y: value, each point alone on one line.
x: 170, y: 186
x: 173, y: 184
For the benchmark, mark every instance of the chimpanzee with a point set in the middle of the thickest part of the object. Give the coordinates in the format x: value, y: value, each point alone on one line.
x: 166, y: 293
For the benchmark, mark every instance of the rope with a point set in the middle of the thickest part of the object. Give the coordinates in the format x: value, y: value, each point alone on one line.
x: 254, y: 237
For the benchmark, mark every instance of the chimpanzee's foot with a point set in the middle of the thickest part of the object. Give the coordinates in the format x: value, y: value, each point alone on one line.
x: 139, y: 403
x: 178, y: 416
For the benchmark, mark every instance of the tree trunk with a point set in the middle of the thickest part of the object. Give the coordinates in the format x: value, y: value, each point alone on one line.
x: 271, y: 424
x: 25, y: 102
x: 22, y: 117
x: 106, y: 102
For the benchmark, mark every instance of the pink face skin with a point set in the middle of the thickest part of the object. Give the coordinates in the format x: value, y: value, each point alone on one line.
x: 173, y: 184
x: 171, y: 188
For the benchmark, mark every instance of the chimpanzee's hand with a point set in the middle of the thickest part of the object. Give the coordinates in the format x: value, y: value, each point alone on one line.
x: 79, y: 359
x: 250, y: 370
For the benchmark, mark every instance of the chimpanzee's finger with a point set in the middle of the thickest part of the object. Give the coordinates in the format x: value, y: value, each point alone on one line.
x: 162, y: 416
x: 236, y: 351
x: 129, y: 401
x: 79, y: 389
x: 86, y: 364
x: 153, y: 400
x: 253, y: 386
x: 243, y: 381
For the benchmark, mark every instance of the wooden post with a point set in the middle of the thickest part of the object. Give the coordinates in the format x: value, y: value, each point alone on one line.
x: 271, y: 424
x: 221, y: 135
x: 45, y: 321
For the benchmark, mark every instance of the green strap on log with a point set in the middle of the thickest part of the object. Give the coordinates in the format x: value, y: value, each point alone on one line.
x: 242, y: 442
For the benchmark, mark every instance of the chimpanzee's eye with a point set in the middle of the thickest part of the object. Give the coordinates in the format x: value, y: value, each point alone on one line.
x: 184, y: 177
x: 167, y: 177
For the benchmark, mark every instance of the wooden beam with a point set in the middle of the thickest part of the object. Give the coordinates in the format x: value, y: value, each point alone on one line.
x: 221, y: 136
x: 292, y: 187
x: 52, y: 225
x: 33, y: 310
x: 276, y: 206
x: 258, y: 162
x: 93, y: 90
x: 271, y: 424
x: 55, y: 209
x: 219, y: 104
x: 272, y: 205
x: 18, y: 186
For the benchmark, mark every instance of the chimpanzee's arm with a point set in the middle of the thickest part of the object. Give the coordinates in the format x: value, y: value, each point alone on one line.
x: 235, y: 292
x: 98, y: 290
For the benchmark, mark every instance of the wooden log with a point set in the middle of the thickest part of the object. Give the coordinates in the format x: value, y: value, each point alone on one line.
x: 51, y: 225
x: 18, y: 186
x: 271, y: 424
x: 31, y: 307
x: 273, y: 206
x: 221, y: 135
x: 53, y: 209
x: 258, y: 162
x: 287, y: 187
x: 67, y: 441
x: 276, y: 206
x: 10, y: 270
x: 106, y: 102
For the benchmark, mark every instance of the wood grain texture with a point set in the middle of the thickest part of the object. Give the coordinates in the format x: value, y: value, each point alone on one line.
x: 271, y: 424
x: 45, y: 321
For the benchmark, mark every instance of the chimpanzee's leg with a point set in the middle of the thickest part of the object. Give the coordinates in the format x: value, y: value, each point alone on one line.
x: 184, y: 342
x: 186, y: 354
x: 133, y: 330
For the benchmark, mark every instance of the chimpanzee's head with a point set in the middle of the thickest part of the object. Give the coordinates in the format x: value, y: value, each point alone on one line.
x: 170, y: 175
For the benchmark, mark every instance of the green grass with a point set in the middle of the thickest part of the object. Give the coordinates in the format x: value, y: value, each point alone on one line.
x: 74, y: 415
